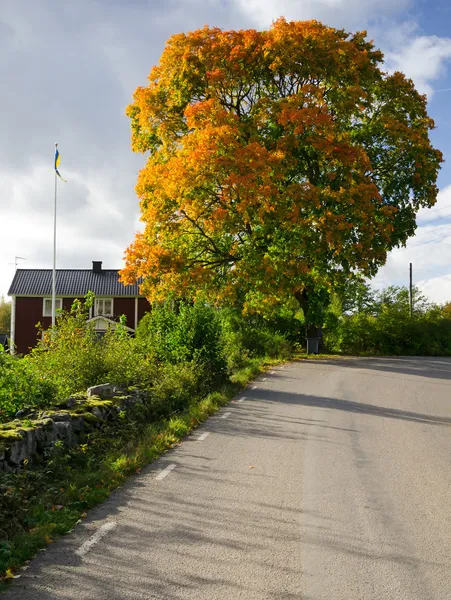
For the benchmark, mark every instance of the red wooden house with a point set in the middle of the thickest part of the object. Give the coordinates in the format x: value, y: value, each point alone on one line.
x: 31, y: 293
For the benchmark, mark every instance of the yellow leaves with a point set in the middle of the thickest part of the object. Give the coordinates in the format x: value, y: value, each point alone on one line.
x: 255, y: 179
x: 9, y: 574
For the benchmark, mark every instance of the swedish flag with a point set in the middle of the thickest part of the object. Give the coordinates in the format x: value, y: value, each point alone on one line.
x: 57, y: 162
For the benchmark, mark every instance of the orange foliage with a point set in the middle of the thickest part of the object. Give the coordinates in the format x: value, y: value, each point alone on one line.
x: 269, y: 167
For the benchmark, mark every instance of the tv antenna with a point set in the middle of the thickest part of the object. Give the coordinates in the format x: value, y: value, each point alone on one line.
x: 16, y: 261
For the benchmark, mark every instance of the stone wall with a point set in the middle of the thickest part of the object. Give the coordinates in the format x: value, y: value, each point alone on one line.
x: 27, y: 439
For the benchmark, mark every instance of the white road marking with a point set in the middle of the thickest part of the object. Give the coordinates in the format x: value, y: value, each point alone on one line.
x: 242, y: 398
x: 94, y: 539
x: 202, y: 437
x: 165, y: 472
x: 226, y: 415
x: 254, y: 387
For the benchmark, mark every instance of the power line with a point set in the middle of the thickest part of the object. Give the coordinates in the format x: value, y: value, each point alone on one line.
x: 433, y: 232
x: 432, y: 221
x: 401, y: 268
x: 435, y: 220
x: 443, y: 237
x: 442, y: 208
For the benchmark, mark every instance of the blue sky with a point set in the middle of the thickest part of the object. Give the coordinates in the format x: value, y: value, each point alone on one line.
x: 69, y: 69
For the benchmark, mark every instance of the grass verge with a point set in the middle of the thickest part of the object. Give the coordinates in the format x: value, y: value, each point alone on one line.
x: 47, y: 502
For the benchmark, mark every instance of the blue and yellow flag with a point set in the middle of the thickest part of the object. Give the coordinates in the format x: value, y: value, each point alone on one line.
x: 57, y: 162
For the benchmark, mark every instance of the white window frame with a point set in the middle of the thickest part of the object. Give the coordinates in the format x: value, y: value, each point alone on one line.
x: 101, y: 302
x: 58, y: 306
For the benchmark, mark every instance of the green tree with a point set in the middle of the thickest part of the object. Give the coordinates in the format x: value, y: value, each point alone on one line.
x: 5, y: 316
x: 396, y: 300
x: 357, y: 296
x: 281, y: 163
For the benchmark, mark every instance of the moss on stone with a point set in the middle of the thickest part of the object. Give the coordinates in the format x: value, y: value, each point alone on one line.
x: 89, y: 417
x: 7, y: 437
x: 10, y: 435
x: 95, y: 401
x: 119, y: 400
x: 16, y: 425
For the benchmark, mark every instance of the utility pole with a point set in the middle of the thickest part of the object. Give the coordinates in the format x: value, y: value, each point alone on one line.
x: 411, y: 291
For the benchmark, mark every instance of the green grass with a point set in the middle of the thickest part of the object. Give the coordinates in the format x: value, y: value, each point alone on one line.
x: 53, y: 499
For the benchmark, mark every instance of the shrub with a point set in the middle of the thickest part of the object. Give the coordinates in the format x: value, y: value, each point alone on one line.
x: 21, y: 384
x: 253, y: 335
x: 73, y: 357
x: 424, y: 335
x: 186, y: 333
x: 175, y: 388
x: 124, y: 361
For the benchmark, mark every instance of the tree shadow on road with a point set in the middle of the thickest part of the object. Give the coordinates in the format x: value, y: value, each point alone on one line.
x: 267, y: 395
x: 428, y: 367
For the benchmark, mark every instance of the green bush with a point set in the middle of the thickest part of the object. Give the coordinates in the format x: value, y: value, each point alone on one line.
x: 179, y: 352
x: 186, y: 333
x: 382, y: 325
x: 124, y: 360
x: 175, y: 388
x: 73, y: 356
x: 424, y: 335
x: 249, y: 336
x: 21, y: 384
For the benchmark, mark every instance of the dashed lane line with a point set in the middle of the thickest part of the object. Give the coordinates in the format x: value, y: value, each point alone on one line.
x: 94, y: 539
x: 162, y: 474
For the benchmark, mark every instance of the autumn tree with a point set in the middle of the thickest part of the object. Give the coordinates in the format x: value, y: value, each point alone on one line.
x: 280, y: 163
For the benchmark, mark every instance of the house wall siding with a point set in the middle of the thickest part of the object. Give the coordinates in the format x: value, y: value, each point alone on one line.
x: 28, y: 314
x: 67, y: 303
x: 125, y: 306
x: 143, y: 308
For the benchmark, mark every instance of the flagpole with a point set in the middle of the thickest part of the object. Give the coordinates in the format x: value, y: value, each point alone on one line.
x: 54, y: 253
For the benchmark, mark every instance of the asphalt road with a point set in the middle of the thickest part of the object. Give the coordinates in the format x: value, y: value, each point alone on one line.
x: 331, y: 480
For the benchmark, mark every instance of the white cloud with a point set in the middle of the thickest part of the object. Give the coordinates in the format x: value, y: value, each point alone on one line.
x: 440, y: 210
x: 338, y: 13
x: 420, y: 57
x: 428, y: 251
x: 96, y: 220
x: 68, y: 73
x: 437, y: 289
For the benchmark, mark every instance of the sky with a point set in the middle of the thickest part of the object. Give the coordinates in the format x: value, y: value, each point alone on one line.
x: 69, y: 69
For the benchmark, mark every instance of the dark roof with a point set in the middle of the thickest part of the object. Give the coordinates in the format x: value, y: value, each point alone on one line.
x: 70, y: 283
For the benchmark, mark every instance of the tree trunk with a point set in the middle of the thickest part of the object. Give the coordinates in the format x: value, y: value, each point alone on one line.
x: 311, y: 329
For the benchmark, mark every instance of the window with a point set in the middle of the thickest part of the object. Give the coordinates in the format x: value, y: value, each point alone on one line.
x: 47, y: 306
x: 103, y: 307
